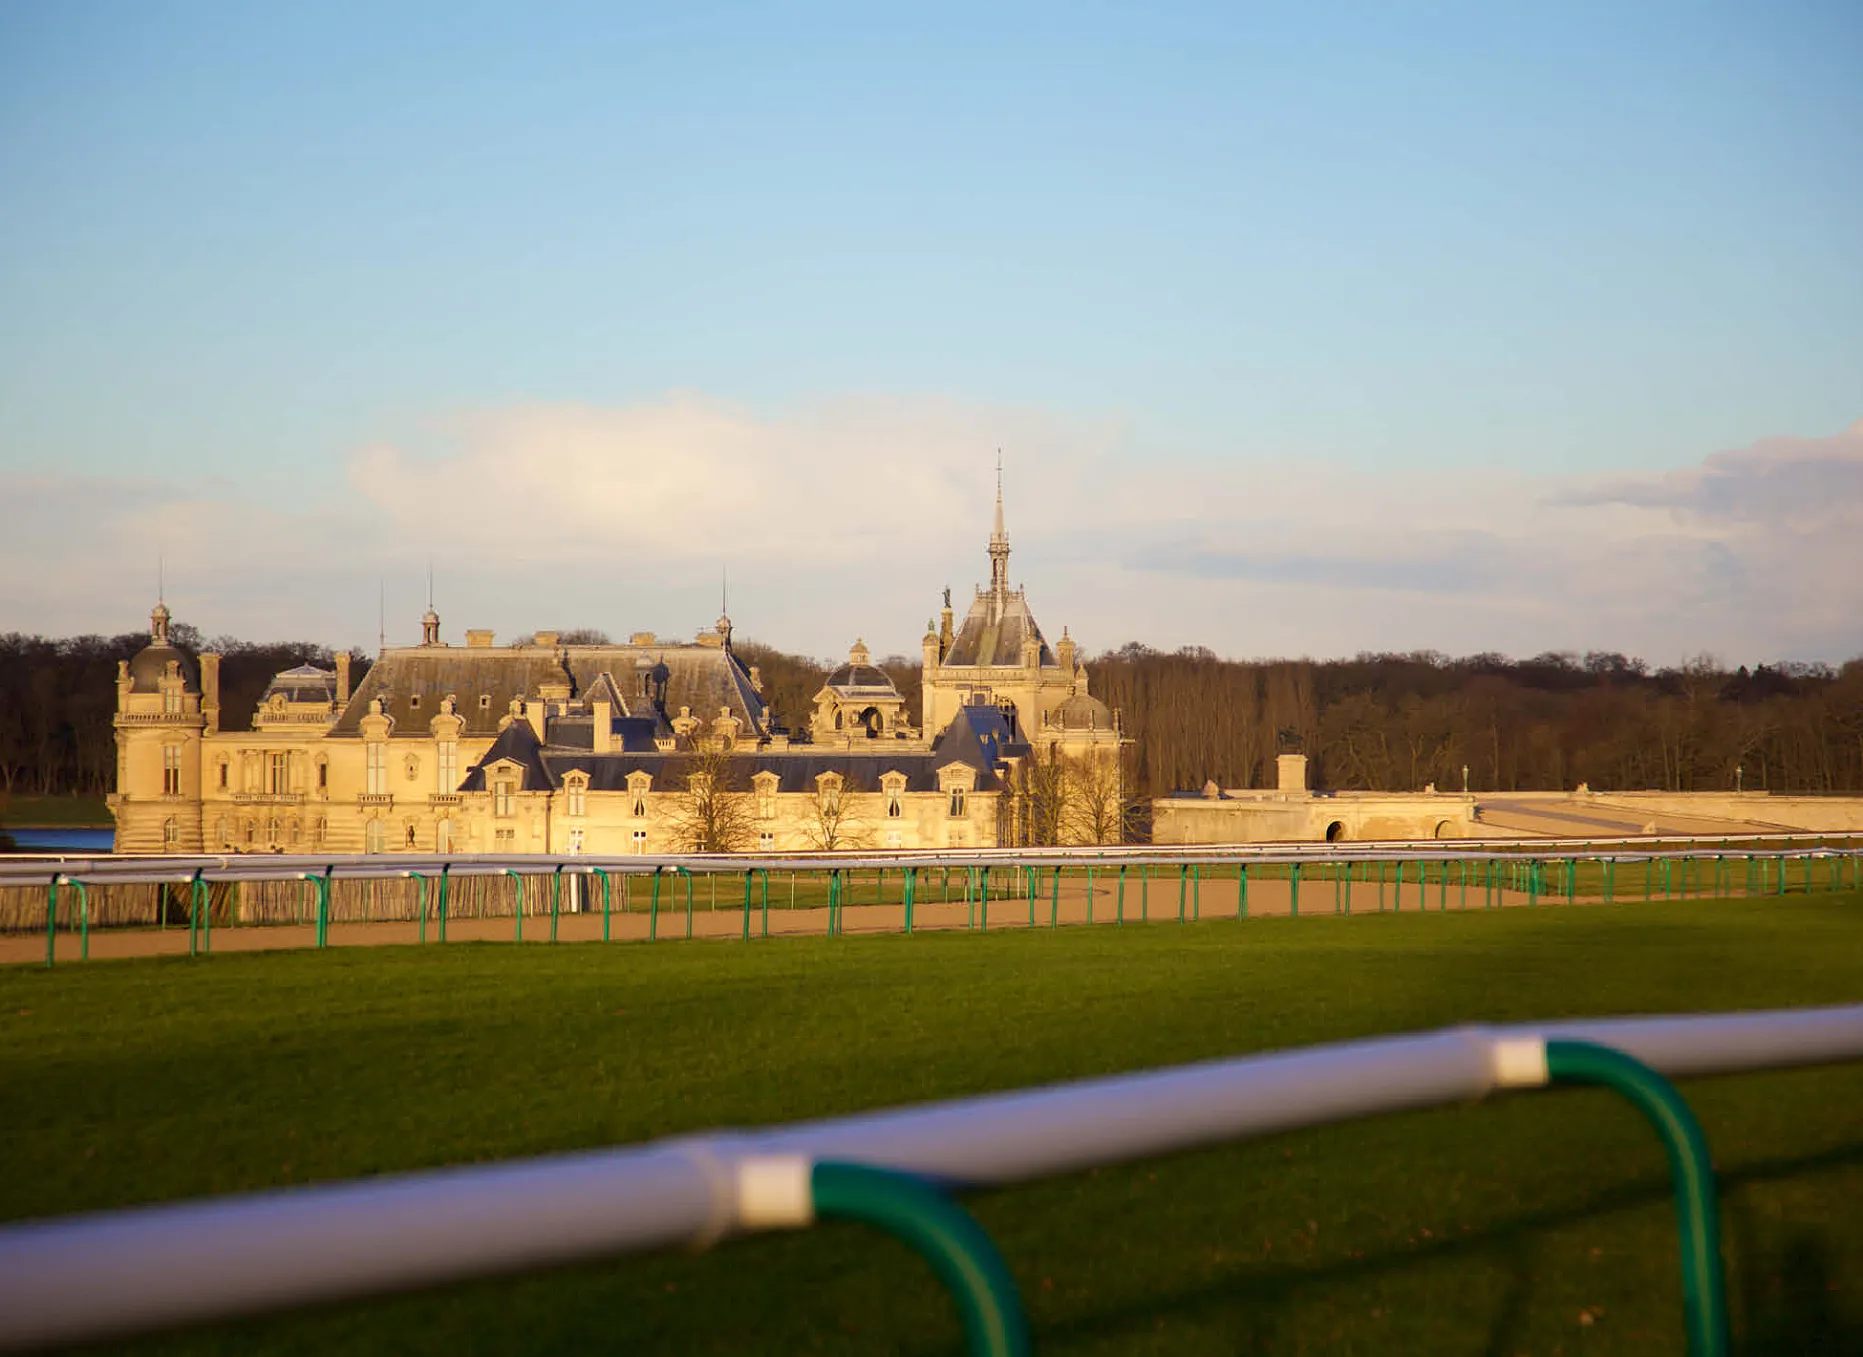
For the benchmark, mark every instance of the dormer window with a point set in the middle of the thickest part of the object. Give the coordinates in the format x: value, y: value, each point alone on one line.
x: 485, y: 701
x: 414, y: 702
x: 766, y: 784
x: 894, y: 786
x: 957, y: 803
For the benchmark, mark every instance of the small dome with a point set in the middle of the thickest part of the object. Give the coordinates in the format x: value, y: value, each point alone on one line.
x: 863, y: 676
x: 1081, y: 712
x: 149, y: 667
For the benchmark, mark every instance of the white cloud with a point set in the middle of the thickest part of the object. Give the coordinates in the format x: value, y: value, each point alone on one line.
x: 847, y: 517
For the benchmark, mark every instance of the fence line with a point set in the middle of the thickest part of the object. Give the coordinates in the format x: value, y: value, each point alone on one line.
x: 150, y: 898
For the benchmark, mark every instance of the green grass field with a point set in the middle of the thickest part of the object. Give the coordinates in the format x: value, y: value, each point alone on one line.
x: 43, y: 812
x: 1531, y: 1224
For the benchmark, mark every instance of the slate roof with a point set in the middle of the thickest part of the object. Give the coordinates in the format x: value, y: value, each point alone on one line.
x: 981, y: 641
x: 484, y: 679
x: 517, y: 742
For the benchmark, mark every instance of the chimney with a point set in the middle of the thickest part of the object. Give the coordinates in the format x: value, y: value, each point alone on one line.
x: 210, y: 691
x: 546, y: 639
x: 1291, y: 771
x: 342, y: 679
x: 603, y: 740
x: 479, y: 640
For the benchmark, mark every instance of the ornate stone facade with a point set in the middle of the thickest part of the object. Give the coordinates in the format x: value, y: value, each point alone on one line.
x: 648, y: 747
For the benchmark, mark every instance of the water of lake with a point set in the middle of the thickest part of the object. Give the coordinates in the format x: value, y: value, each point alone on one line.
x: 73, y: 840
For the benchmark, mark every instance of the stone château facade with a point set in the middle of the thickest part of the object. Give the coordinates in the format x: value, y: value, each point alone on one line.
x: 645, y: 747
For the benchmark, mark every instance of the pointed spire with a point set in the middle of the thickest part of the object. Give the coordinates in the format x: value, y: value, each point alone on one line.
x: 999, y: 547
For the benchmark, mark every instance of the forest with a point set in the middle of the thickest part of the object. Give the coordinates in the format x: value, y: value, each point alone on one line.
x: 1372, y: 722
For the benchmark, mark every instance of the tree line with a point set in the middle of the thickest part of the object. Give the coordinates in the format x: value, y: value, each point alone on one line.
x: 1373, y: 722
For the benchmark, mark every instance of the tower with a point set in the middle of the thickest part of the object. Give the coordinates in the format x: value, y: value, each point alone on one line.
x: 159, y: 725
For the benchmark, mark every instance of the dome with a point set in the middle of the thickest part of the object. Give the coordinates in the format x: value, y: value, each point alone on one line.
x: 150, y: 666
x: 862, y: 676
x: 1081, y: 712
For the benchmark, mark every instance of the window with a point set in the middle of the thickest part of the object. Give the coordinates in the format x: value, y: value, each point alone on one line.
x: 766, y: 842
x: 250, y: 832
x: 766, y: 796
x: 413, y: 769
x: 171, y: 834
x: 293, y: 831
x: 506, y: 839
x: 578, y: 789
x: 892, y: 839
x: 640, y: 841
x: 321, y: 832
x: 575, y: 840
x: 485, y: 701
x: 501, y: 797
x: 376, y: 781
x: 277, y: 773
x: 957, y: 803
x: 894, y: 806
x: 171, y: 770
x: 222, y: 774
x: 271, y: 833
x: 375, y: 836
x: 223, y: 831
x: 447, y: 779
x: 443, y: 837
x: 414, y: 702
x: 171, y: 702
x: 323, y: 776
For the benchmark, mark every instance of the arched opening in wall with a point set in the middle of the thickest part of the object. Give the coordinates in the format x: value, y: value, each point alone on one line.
x: 1445, y: 830
x: 1335, y: 832
x: 870, y: 722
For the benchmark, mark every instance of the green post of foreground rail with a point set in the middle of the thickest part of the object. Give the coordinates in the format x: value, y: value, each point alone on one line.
x: 84, y: 918
x: 519, y: 910
x: 688, y: 875
x: 911, y: 874
x: 1293, y: 895
x: 1704, y: 1293
x: 945, y: 1235
x: 446, y: 872
x: 556, y: 898
x: 605, y: 900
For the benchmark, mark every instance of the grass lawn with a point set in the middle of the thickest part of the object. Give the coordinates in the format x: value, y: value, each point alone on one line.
x: 49, y: 812
x: 1530, y: 1224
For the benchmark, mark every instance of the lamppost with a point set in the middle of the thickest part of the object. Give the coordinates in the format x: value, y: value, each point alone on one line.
x: 1465, y: 779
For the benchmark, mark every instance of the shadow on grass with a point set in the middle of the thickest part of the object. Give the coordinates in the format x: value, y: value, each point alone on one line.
x: 1785, y: 1289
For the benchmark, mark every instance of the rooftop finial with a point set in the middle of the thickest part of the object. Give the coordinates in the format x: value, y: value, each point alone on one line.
x: 381, y: 614
x: 999, y: 544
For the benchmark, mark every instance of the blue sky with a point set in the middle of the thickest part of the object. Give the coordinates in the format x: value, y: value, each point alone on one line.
x: 246, y: 248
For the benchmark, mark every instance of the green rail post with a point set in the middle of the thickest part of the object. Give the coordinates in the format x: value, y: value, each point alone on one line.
x: 1571, y: 881
x: 1461, y: 872
x: 197, y: 902
x: 764, y: 874
x: 688, y: 875
x: 1119, y: 903
x: 1704, y: 1295
x: 1781, y: 873
x: 1054, y: 899
x: 961, y: 1255
x: 1030, y: 870
x: 970, y: 899
x: 1196, y: 890
x: 51, y: 923
x: 1348, y: 888
x: 1089, y: 892
x: 446, y: 871
x: 1397, y: 891
x: 653, y: 908
x: 606, y: 901
x: 1533, y: 882
x: 556, y: 898
x: 1380, y: 885
x: 1242, y: 890
x: 518, y: 909
x: 1293, y: 894
x: 1442, y: 886
x: 322, y: 884
x: 421, y: 882
x: 911, y: 891
x: 1183, y: 881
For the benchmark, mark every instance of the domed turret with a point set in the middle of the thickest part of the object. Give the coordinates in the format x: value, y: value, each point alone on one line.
x: 150, y: 666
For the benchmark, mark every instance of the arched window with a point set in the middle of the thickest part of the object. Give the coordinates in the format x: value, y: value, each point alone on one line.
x: 375, y: 836
x: 171, y: 770
x: 171, y: 834
x: 443, y: 837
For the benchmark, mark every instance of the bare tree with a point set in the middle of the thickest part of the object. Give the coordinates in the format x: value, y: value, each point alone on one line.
x: 1101, y: 804
x: 832, y: 823
x: 713, y: 813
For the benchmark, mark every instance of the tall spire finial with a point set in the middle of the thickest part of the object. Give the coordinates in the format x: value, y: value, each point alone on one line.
x: 999, y: 546
x: 161, y: 578
x: 381, y: 615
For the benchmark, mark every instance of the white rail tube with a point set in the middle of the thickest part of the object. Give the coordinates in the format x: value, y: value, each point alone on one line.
x: 88, y: 1277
